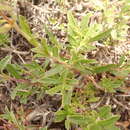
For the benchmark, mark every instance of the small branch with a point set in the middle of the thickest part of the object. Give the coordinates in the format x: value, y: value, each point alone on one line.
x: 120, y: 104
x: 17, y: 80
x: 100, y: 102
x: 10, y: 21
x: 94, y: 82
x: 14, y: 51
x: 122, y: 95
x: 14, y: 79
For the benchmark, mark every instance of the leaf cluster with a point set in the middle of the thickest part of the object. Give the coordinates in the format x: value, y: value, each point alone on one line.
x: 65, y: 70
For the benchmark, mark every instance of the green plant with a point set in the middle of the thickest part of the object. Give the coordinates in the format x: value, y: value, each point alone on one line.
x: 71, y: 74
x: 13, y: 121
x: 103, y: 119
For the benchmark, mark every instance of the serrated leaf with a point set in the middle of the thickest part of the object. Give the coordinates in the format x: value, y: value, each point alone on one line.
x: 4, y: 62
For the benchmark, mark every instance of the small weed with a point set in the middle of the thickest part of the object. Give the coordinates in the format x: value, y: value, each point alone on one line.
x: 65, y: 70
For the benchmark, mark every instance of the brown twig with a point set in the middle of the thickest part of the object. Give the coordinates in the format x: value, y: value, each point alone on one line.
x: 18, y: 80
x: 10, y: 21
x: 120, y: 104
x: 94, y: 82
x: 14, y: 51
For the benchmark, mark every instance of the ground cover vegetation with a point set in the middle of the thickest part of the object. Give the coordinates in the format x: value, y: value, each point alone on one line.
x: 78, y: 80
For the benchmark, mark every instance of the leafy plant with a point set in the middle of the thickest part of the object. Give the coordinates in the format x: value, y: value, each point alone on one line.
x: 13, y: 121
x: 70, y: 74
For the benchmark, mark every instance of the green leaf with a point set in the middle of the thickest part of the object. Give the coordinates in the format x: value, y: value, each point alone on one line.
x: 84, y: 23
x: 125, y: 8
x: 105, y: 68
x: 67, y: 125
x: 121, y: 73
x: 93, y: 99
x: 54, y: 90
x: 4, y: 62
x: 108, y: 122
x: 66, y: 95
x: 114, y: 34
x: 72, y: 21
x: 49, y: 81
x: 110, y: 84
x: 122, y: 60
x: 22, y: 91
x: 94, y: 126
x: 74, y: 31
x: 54, y: 71
x: 25, y: 31
x: 111, y: 127
x: 9, y: 115
x: 60, y: 116
x: 52, y: 38
x: 45, y: 47
x: 86, y: 61
x: 24, y: 25
x: 13, y: 70
x: 77, y: 119
x: 105, y: 112
x: 55, y: 51
x: 45, y: 128
x: 100, y: 36
x: 4, y: 38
